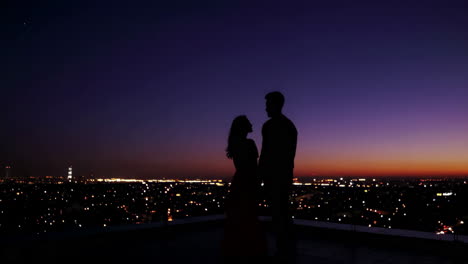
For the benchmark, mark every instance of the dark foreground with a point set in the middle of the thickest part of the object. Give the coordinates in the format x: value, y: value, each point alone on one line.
x: 200, y: 243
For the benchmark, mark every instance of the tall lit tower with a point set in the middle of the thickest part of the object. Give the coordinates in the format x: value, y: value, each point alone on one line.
x: 70, y: 174
x: 7, y: 172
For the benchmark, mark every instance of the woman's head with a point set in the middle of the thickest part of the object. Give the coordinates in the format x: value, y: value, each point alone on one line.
x: 240, y: 127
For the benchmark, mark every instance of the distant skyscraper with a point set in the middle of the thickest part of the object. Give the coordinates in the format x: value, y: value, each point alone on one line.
x: 70, y: 174
x: 8, y: 172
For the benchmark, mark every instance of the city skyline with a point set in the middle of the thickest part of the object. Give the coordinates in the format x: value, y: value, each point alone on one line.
x: 150, y: 90
x: 9, y: 173
x: 435, y: 206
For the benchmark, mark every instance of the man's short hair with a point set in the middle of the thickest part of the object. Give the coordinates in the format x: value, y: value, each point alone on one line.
x: 276, y: 98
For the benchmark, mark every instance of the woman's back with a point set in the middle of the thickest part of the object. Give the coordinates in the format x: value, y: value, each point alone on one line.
x: 243, y: 233
x: 245, y: 162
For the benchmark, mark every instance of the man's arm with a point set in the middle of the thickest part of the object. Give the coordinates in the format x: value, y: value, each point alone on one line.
x: 261, y: 160
x: 292, y: 144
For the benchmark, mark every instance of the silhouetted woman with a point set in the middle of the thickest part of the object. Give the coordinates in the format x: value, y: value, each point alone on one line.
x: 243, y: 234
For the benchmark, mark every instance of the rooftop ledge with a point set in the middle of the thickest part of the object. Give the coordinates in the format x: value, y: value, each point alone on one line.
x: 220, y: 218
x: 198, y: 238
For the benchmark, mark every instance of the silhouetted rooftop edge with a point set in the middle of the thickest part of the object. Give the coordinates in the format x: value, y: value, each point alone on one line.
x: 198, y: 239
x: 219, y: 218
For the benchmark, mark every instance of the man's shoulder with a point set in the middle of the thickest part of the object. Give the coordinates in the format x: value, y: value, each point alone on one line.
x: 281, y: 121
x: 276, y: 125
x: 250, y: 141
x: 287, y: 122
x: 270, y: 122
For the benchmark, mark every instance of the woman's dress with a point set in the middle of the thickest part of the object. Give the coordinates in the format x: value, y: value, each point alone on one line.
x: 243, y: 233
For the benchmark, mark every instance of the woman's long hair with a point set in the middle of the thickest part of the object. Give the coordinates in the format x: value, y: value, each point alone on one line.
x: 235, y: 134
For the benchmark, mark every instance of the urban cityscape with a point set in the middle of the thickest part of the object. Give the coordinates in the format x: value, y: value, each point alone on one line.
x: 140, y: 131
x: 37, y: 205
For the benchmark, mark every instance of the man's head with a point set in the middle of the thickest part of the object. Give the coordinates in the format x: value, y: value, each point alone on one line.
x: 274, y: 103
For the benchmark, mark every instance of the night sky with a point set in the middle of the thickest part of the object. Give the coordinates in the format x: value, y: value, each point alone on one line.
x: 149, y: 90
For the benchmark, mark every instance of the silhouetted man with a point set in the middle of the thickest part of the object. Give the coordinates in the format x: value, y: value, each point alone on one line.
x: 276, y: 166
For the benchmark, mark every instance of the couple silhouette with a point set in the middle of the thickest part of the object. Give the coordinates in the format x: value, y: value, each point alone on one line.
x: 244, y: 235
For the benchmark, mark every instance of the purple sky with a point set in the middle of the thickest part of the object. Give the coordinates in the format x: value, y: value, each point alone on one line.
x: 147, y: 89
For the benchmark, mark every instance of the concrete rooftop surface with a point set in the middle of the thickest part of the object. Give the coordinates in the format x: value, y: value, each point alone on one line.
x: 198, y: 240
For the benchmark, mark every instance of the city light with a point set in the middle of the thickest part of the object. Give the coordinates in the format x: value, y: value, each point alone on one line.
x: 137, y: 201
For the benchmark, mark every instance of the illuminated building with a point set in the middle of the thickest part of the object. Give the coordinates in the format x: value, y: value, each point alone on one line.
x: 8, y: 172
x: 70, y: 174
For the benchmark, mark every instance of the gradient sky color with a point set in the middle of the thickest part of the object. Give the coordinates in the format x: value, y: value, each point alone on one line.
x: 149, y: 89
